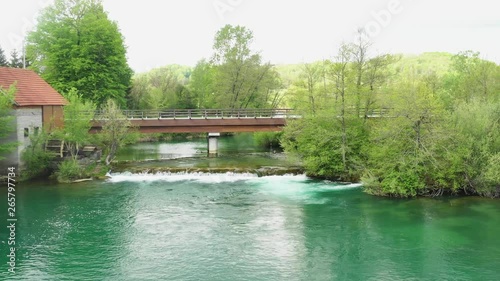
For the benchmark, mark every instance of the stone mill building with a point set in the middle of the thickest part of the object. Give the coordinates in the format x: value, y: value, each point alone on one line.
x: 36, y: 106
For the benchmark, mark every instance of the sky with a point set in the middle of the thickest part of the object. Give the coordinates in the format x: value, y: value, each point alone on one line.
x: 161, y: 32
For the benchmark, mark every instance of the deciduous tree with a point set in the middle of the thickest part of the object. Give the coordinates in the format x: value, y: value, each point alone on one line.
x: 77, y: 122
x: 116, y: 130
x: 241, y: 79
x: 76, y: 45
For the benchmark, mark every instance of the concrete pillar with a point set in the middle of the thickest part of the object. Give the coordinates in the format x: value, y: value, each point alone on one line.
x: 213, y: 144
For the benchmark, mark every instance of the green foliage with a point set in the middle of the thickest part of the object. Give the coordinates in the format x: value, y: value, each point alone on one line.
x: 241, y: 80
x: 235, y: 77
x: 267, y: 139
x: 36, y: 160
x: 440, y: 134
x: 474, y: 148
x: 6, y: 125
x: 427, y: 150
x: 202, y: 84
x: 69, y: 170
x: 116, y: 131
x: 309, y: 91
x: 77, y: 122
x: 318, y: 141
x: 75, y: 45
x: 471, y: 77
x: 436, y: 62
x: 162, y: 88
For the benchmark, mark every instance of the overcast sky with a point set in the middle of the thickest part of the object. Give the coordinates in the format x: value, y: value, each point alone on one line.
x: 161, y: 32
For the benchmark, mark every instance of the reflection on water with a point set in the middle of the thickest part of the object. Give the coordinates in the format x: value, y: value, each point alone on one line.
x: 174, y: 149
x: 235, y: 152
x: 159, y: 151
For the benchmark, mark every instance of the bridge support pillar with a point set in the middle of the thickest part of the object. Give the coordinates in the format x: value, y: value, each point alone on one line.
x: 213, y: 144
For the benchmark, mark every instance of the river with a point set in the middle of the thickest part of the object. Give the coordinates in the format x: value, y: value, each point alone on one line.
x: 243, y: 227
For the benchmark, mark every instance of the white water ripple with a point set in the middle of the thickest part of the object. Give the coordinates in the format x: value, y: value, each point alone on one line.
x: 269, y: 181
x: 176, y: 177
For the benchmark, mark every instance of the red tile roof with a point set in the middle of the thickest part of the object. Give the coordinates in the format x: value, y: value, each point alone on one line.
x: 31, y: 88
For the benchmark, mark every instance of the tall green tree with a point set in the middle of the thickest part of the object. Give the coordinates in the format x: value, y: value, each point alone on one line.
x: 3, y: 58
x: 202, y: 83
x: 241, y: 79
x: 331, y: 135
x: 6, y: 125
x: 76, y: 45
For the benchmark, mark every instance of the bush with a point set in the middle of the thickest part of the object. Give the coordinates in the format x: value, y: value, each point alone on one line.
x: 35, y: 159
x: 267, y: 139
x: 69, y: 170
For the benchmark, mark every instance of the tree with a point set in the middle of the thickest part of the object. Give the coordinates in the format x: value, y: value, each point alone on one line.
x: 340, y: 75
x: 3, y: 59
x: 162, y: 88
x: 375, y: 78
x: 471, y: 153
x: 15, y: 60
x: 6, y: 125
x: 331, y: 136
x: 402, y: 154
x: 359, y: 56
x: 36, y: 160
x: 77, y: 122
x: 75, y: 45
x: 202, y: 84
x: 472, y: 77
x: 309, y: 91
x: 241, y: 79
x: 116, y: 130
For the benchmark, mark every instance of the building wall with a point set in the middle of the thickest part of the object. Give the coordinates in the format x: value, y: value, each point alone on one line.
x: 28, y: 121
x: 52, y: 117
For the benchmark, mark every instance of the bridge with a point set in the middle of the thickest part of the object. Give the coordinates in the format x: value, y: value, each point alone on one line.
x: 211, y: 121
x: 202, y: 120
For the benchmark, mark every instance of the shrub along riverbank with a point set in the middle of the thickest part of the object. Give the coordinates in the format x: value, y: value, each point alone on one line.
x: 402, y: 128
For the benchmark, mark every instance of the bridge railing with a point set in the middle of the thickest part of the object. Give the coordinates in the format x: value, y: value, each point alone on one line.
x: 170, y: 114
x: 200, y: 114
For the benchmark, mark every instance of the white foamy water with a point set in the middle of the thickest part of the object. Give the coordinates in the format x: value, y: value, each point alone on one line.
x: 271, y: 182
x: 175, y: 177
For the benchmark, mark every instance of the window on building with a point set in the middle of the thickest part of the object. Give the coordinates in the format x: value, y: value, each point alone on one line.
x: 36, y: 131
x: 26, y: 132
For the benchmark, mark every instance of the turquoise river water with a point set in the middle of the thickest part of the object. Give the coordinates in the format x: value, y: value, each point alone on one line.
x: 244, y: 227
